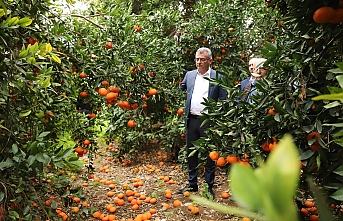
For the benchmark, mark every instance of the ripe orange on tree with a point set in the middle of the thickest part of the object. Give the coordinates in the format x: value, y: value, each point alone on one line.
x: 152, y: 91
x: 86, y: 142
x: 114, y: 89
x: 180, y: 111
x: 231, y: 159
x: 131, y: 123
x: 104, y: 83
x: 338, y: 18
x: 323, y: 15
x: 110, y: 96
x: 108, y: 45
x: 83, y: 94
x: 103, y: 92
x: 272, y: 111
x: 78, y: 149
x: 221, y: 162
x: 214, y: 155
x: 137, y: 28
x: 83, y: 75
x: 309, y: 204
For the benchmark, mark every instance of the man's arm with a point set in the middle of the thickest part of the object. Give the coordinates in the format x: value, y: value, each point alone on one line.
x: 183, y: 85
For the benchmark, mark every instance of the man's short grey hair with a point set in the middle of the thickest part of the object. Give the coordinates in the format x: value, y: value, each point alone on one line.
x: 205, y: 50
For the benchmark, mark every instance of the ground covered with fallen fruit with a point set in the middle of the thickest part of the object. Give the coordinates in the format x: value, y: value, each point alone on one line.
x: 146, y: 188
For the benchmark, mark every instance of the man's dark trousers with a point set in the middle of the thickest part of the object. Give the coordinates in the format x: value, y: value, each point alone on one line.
x: 193, y: 133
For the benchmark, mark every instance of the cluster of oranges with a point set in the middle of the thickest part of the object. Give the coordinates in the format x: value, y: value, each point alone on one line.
x: 310, y: 210
x: 269, y: 146
x: 222, y: 161
x: 329, y: 15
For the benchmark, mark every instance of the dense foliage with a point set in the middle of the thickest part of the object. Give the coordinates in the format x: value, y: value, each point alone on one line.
x: 54, y: 59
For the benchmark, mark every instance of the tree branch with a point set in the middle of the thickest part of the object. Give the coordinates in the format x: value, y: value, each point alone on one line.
x: 87, y: 19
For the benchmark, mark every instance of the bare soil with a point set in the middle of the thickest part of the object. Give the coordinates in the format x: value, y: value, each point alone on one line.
x: 148, y: 168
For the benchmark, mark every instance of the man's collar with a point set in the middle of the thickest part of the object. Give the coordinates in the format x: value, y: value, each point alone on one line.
x: 206, y: 74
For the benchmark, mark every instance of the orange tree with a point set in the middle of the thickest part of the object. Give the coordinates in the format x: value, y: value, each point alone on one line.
x: 39, y: 123
x: 300, y: 54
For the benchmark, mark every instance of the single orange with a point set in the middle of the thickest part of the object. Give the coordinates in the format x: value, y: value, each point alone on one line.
x: 131, y: 123
x: 176, y: 203
x: 214, y: 155
x: 225, y: 195
x: 221, y: 162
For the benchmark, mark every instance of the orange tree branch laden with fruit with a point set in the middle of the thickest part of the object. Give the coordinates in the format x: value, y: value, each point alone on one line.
x: 67, y: 81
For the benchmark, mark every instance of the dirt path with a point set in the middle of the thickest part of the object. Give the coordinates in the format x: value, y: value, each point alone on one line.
x: 150, y: 168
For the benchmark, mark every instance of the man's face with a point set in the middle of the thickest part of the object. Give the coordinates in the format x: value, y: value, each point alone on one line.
x: 202, y: 61
x: 251, y: 66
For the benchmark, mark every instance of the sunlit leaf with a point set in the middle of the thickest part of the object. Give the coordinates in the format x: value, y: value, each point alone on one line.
x: 24, y: 113
x: 24, y: 22
x: 245, y: 187
x: 48, y: 48
x: 329, y: 97
x: 55, y: 58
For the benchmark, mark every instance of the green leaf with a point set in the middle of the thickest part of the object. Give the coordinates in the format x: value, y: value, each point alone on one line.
x: 270, y: 46
x: 6, y: 164
x: 340, y: 65
x: 24, y: 113
x: 329, y: 97
x: 332, y: 104
x: 340, y: 80
x: 264, y: 51
x: 40, y: 158
x: 48, y: 48
x: 12, y: 21
x: 339, y: 170
x: 56, y: 59
x: 45, y: 83
x: 212, y: 2
x: 14, y: 148
x: 13, y: 213
x: 24, y: 22
x: 31, y: 60
x: 2, y: 196
x: 334, y: 90
x: 33, y: 48
x: 2, y: 12
x: 31, y: 159
x: 338, y: 195
x: 306, y: 155
x: 283, y: 173
x: 23, y: 54
x: 336, y: 71
x: 271, y: 54
x: 334, y: 125
x: 245, y: 187
x: 44, y: 134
